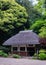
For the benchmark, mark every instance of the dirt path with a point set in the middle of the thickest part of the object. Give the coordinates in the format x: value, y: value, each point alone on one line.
x: 12, y: 61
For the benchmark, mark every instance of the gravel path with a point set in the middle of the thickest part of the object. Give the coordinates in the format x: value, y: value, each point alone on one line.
x: 12, y: 61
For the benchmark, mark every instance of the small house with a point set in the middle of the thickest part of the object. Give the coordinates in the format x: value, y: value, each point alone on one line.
x: 25, y: 43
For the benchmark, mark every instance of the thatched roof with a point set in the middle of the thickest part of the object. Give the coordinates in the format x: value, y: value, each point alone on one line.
x: 23, y: 37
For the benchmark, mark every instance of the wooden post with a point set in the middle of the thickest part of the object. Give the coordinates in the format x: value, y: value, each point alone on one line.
x: 18, y: 49
x: 35, y: 48
x: 26, y: 49
x: 37, y: 52
x: 11, y: 49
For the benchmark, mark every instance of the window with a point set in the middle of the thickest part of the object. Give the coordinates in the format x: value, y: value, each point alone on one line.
x: 14, y: 48
x: 22, y: 48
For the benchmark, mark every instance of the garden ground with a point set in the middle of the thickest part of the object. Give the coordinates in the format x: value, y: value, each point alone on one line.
x: 23, y: 61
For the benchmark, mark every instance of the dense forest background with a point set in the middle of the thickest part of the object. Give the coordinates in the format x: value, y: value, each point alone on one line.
x: 19, y: 15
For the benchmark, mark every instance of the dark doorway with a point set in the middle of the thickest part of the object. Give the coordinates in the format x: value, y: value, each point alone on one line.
x: 31, y: 51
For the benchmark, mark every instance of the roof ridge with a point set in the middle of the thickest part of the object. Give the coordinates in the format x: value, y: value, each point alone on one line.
x: 26, y: 31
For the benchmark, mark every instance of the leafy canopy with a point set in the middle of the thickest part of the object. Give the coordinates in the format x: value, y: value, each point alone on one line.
x: 32, y: 12
x: 40, y: 27
x: 11, y: 15
x: 13, y: 18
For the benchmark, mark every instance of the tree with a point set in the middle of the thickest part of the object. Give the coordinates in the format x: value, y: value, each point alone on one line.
x: 13, y: 18
x: 41, y: 6
x: 42, y: 31
x: 33, y: 14
x: 40, y: 27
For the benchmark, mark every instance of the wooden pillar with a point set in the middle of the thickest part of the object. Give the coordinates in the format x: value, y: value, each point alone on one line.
x: 26, y: 49
x: 35, y: 48
x: 37, y: 51
x: 11, y: 49
x: 18, y: 49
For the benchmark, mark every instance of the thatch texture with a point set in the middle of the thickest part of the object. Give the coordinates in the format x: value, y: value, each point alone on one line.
x: 23, y: 37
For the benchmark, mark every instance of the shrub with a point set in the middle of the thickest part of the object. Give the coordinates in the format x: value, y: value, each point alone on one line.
x: 35, y: 55
x: 16, y: 56
x: 3, y: 54
x: 42, y: 56
x: 42, y: 51
x: 6, y: 50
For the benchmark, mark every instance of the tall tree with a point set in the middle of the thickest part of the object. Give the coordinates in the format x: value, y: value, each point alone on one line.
x: 13, y: 18
x: 33, y: 14
x: 41, y: 6
x: 40, y: 25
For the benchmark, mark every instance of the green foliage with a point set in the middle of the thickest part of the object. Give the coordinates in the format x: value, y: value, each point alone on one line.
x: 6, y: 50
x: 16, y: 56
x: 13, y: 18
x: 33, y: 14
x: 4, y: 5
x: 35, y: 55
x: 3, y: 54
x: 37, y: 25
x: 42, y: 32
x: 40, y: 24
x: 42, y: 51
x: 41, y: 6
x: 42, y: 56
x: 40, y: 27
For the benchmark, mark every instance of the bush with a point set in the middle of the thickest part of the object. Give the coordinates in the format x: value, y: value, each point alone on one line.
x: 42, y: 56
x: 42, y: 51
x: 35, y: 55
x: 16, y: 56
x: 3, y: 54
x: 6, y: 50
